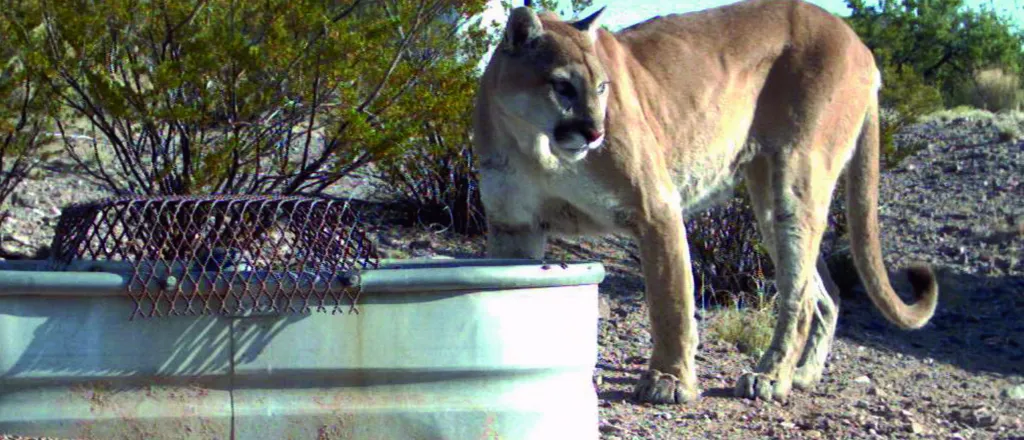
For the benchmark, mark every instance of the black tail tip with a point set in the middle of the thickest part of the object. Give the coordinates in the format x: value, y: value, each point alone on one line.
x: 921, y: 278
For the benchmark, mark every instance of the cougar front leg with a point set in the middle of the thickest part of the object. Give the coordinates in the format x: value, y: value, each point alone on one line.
x: 512, y: 205
x: 515, y: 241
x: 665, y: 257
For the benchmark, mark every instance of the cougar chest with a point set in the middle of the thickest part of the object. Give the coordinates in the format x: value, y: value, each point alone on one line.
x: 580, y: 203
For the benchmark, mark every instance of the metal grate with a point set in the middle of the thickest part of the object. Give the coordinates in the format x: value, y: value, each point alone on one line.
x: 228, y: 255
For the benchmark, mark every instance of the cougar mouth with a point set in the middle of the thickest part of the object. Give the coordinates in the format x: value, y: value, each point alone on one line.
x: 578, y: 137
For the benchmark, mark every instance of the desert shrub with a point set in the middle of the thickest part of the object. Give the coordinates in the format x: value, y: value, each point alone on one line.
x: 246, y: 97
x: 434, y: 181
x: 730, y: 266
x: 438, y: 191
x: 1008, y: 130
x: 904, y: 99
x: 24, y: 104
x: 995, y: 90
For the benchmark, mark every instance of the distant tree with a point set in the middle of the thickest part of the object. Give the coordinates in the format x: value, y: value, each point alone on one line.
x: 942, y: 41
x: 224, y: 96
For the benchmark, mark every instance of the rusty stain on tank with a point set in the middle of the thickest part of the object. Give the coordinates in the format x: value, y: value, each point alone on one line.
x: 116, y: 411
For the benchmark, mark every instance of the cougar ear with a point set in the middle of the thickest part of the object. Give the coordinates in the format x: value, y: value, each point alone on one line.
x: 589, y: 24
x: 522, y: 31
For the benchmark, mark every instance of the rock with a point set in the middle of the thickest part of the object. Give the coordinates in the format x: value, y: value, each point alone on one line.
x: 604, y: 310
x: 11, y: 250
x: 421, y: 244
x: 642, y: 336
x: 18, y: 238
x: 20, y: 200
x: 607, y: 429
x: 980, y: 417
x: 1015, y: 392
x: 863, y: 380
x: 915, y: 428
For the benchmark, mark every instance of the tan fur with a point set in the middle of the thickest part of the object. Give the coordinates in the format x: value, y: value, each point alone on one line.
x: 777, y: 90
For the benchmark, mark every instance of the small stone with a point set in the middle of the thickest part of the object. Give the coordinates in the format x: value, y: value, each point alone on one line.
x: 604, y: 310
x: 916, y: 428
x: 421, y: 244
x: 19, y: 239
x: 864, y: 380
x: 1015, y: 392
x: 13, y: 250
x: 787, y: 425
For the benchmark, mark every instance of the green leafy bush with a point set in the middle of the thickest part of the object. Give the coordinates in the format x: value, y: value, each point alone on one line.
x: 246, y: 97
x: 904, y: 98
x: 24, y: 104
x: 434, y: 177
x: 942, y: 41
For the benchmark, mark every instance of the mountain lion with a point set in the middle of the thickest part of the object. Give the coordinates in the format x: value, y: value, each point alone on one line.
x: 579, y: 130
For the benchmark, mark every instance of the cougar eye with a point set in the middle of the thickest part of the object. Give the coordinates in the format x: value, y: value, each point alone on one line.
x: 603, y: 87
x: 564, y: 88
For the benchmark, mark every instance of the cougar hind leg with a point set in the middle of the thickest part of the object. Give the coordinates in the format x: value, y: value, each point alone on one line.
x: 788, y: 203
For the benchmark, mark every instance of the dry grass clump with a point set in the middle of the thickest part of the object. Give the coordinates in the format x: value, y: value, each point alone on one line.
x: 996, y: 90
x: 749, y: 329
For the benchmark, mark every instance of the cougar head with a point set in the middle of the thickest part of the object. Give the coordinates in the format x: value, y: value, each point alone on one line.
x: 552, y: 81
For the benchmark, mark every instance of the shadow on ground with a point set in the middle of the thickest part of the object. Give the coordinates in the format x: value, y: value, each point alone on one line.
x: 976, y: 327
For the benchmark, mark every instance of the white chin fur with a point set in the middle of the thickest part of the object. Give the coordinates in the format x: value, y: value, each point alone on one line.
x: 577, y: 148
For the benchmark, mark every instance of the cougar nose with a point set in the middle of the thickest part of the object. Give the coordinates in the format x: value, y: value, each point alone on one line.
x: 592, y: 135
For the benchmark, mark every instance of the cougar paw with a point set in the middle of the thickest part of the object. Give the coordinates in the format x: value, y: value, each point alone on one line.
x: 760, y: 386
x: 806, y: 378
x: 657, y: 387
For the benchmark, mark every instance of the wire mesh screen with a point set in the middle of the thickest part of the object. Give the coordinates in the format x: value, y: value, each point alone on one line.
x: 228, y: 255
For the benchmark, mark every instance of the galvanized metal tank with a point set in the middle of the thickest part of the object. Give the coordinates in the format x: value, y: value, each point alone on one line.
x: 439, y: 349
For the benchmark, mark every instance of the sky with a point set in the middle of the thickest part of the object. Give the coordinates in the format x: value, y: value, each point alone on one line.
x: 622, y: 13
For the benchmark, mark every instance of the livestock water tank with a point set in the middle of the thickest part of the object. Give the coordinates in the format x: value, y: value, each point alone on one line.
x: 440, y: 349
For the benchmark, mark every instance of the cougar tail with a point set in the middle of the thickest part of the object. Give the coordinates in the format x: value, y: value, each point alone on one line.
x: 862, y: 214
